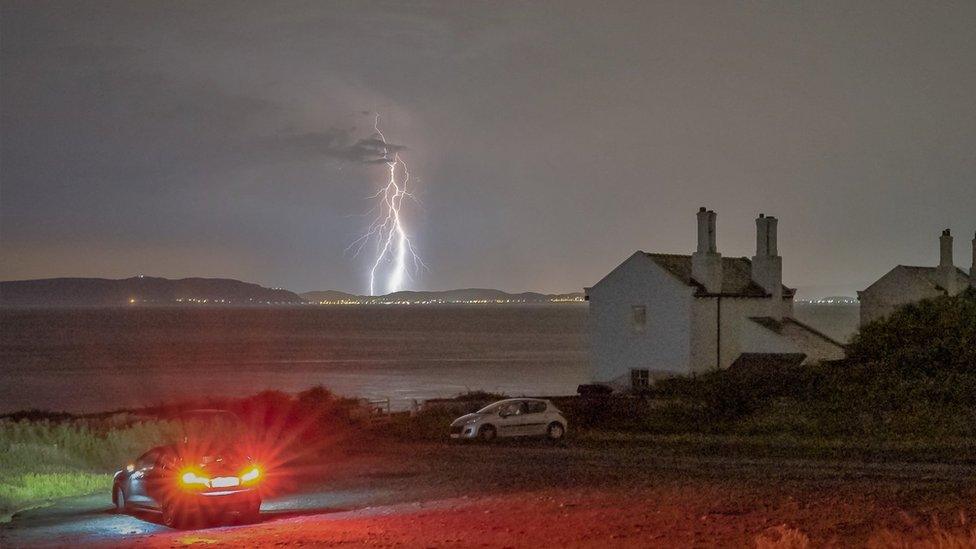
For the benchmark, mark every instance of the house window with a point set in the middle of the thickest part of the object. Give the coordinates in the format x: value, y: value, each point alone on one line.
x: 640, y: 378
x: 638, y: 314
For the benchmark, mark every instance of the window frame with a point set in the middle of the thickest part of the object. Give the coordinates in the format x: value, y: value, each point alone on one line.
x: 640, y: 378
x: 638, y: 318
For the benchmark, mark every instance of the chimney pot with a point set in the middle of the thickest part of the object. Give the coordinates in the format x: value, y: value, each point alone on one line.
x: 771, y: 236
x: 706, y: 262
x: 702, y: 230
x: 712, y: 244
x: 947, y: 268
x: 945, y: 249
x: 762, y: 236
x: 767, y: 266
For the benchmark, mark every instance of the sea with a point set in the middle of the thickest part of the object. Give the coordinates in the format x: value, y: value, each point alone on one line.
x: 96, y: 359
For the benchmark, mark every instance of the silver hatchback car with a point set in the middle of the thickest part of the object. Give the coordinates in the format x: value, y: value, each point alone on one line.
x: 513, y: 417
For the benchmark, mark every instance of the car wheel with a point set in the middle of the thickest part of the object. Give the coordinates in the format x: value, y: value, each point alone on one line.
x: 555, y: 431
x: 171, y: 516
x: 487, y: 433
x: 120, y: 503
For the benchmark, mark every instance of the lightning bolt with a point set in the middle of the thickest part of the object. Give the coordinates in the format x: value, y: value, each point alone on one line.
x: 388, y: 230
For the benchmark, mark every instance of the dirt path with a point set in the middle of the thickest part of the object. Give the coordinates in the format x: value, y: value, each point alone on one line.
x: 534, y: 495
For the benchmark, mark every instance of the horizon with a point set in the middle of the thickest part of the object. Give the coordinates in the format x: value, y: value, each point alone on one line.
x: 802, y: 295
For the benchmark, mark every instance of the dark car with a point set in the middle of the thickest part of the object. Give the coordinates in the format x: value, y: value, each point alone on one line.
x: 206, y: 476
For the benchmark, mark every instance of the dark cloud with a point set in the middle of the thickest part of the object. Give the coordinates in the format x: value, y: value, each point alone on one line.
x: 547, y: 140
x: 334, y: 143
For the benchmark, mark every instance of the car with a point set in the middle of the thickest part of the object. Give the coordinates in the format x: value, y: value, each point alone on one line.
x: 513, y: 417
x: 206, y: 475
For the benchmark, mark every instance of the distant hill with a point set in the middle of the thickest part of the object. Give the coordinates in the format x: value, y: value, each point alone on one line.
x: 468, y: 295
x: 100, y: 292
x: 330, y: 296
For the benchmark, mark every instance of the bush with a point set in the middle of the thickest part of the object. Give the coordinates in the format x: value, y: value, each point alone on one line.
x: 925, y: 338
x: 44, y: 456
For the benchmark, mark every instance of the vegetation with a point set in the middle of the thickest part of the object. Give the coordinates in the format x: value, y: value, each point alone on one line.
x: 933, y: 337
x: 45, y: 456
x: 44, y: 459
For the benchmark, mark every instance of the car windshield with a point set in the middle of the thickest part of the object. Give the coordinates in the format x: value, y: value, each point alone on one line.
x: 493, y: 408
x: 212, y: 428
x: 510, y: 407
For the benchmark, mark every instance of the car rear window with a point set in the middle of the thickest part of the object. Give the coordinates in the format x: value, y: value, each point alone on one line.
x: 536, y: 407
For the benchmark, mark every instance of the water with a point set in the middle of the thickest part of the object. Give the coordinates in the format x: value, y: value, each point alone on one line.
x: 96, y: 359
x: 83, y: 360
x: 837, y: 321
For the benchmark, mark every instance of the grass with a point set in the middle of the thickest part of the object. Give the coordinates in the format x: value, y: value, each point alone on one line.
x: 683, y: 426
x: 22, y: 491
x: 45, y: 456
x: 44, y: 459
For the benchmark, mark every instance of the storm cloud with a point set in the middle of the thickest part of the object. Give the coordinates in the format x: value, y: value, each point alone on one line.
x: 334, y: 143
x: 547, y: 140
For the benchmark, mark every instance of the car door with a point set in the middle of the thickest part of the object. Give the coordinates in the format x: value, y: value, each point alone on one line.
x: 140, y: 476
x: 534, y: 421
x: 510, y: 419
x: 161, y: 479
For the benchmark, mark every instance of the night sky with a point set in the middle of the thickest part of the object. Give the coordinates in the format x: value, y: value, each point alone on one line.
x: 548, y: 141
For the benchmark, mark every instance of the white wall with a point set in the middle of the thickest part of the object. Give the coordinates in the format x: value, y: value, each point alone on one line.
x: 735, y: 329
x: 663, y: 347
x: 898, y: 287
x: 759, y: 339
x: 814, y: 346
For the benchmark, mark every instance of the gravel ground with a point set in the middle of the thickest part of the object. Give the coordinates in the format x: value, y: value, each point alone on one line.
x: 612, y: 495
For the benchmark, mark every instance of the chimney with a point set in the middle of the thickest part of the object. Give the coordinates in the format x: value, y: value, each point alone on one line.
x: 945, y: 249
x: 767, y: 265
x: 706, y: 263
x: 947, y: 270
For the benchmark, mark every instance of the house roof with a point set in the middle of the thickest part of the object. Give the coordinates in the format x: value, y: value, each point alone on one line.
x: 929, y: 275
x: 736, y: 275
x: 793, y: 330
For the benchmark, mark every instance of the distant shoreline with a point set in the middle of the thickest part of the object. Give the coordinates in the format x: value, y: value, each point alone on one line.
x: 156, y: 291
x: 214, y: 306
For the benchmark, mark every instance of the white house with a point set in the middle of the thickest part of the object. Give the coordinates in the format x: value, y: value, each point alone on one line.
x: 658, y: 315
x: 907, y: 284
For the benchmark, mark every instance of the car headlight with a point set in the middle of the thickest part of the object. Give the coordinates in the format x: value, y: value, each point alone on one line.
x: 472, y: 420
x: 251, y: 475
x: 190, y: 479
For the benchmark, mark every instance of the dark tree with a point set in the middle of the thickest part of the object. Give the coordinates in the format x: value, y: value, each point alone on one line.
x: 930, y: 337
